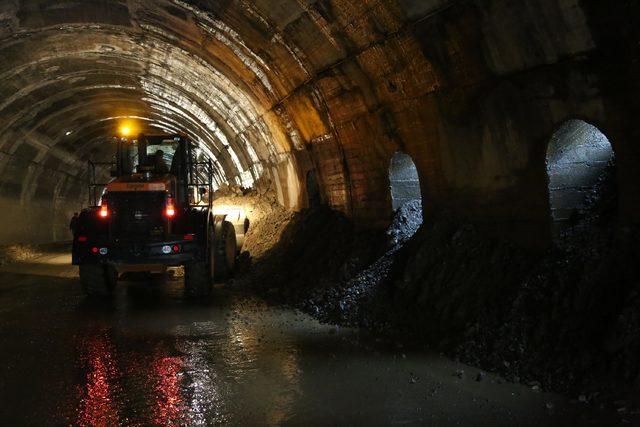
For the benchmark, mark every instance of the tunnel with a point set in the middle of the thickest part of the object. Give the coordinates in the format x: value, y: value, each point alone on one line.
x: 457, y: 175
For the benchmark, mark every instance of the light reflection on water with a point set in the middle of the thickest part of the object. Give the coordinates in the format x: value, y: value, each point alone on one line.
x: 169, y: 403
x: 230, y: 369
x: 150, y: 358
x: 270, y: 369
x: 97, y: 405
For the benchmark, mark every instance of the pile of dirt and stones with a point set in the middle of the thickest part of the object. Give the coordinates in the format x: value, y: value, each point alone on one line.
x: 20, y: 252
x: 567, y: 320
x: 362, y: 299
x: 308, y: 250
x: 267, y: 218
x: 287, y: 254
x: 324, y: 265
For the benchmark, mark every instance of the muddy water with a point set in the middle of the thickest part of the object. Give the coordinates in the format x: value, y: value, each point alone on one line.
x: 151, y: 358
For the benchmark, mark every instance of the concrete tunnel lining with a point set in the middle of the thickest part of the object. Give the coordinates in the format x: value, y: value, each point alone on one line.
x: 279, y: 89
x: 150, y: 76
x: 348, y: 111
x: 160, y: 95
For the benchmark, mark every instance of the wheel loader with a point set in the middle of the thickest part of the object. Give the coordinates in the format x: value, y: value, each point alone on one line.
x: 155, y: 212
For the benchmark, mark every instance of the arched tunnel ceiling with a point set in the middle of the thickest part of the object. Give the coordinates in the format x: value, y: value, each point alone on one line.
x: 240, y: 77
x: 277, y: 88
x: 72, y: 70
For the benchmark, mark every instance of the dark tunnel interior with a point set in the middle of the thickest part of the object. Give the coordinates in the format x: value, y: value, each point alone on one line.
x: 448, y: 177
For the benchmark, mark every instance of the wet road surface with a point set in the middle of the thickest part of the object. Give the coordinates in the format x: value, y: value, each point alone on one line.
x: 150, y: 357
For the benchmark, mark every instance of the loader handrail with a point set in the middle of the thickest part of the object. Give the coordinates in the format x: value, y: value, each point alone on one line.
x: 200, y: 176
x: 96, y: 187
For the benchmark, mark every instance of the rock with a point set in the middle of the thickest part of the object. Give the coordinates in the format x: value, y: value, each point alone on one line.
x: 406, y: 221
x: 619, y: 403
x: 535, y: 385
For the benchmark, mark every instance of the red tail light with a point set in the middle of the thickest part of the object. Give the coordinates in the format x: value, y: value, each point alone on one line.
x: 82, y: 238
x: 170, y: 209
x: 104, y: 210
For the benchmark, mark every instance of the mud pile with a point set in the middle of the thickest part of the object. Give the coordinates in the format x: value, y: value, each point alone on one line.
x: 14, y: 253
x: 316, y: 249
x: 568, y: 320
x: 325, y: 266
x: 287, y: 255
x: 406, y: 222
x: 267, y: 218
x: 362, y: 299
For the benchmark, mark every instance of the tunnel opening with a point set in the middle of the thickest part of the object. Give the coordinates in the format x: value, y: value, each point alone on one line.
x: 404, y: 182
x: 580, y: 166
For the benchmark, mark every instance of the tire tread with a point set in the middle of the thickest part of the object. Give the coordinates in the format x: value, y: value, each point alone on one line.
x: 97, y: 280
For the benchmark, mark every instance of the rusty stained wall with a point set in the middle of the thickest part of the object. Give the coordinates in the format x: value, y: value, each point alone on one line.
x: 510, y: 75
x: 472, y: 90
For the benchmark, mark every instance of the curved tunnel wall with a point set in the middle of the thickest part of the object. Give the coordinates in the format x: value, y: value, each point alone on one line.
x: 471, y: 90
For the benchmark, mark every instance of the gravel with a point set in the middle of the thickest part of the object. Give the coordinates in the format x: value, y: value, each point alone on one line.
x: 15, y: 253
x: 566, y: 320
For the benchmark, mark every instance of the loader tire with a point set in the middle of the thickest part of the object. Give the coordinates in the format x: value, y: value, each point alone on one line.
x: 226, y: 251
x: 98, y: 280
x: 198, y: 275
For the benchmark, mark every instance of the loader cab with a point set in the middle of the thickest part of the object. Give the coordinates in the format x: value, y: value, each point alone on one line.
x: 149, y: 154
x: 150, y: 158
